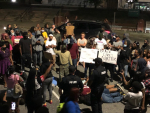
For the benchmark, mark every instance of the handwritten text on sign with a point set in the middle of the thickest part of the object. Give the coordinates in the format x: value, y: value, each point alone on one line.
x: 108, y: 56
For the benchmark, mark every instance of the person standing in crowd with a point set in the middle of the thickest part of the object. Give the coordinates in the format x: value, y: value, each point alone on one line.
x: 15, y: 40
x: 33, y: 99
x: 135, y: 46
x: 4, y: 60
x: 124, y: 57
x: 5, y: 37
x: 126, y: 37
x: 71, y: 105
x: 38, y: 27
x: 52, y: 29
x: 30, y: 35
x: 57, y: 35
x: 12, y: 34
x: 47, y: 83
x: 12, y: 79
x: 44, y: 34
x: 96, y: 83
x: 117, y: 47
x: 90, y: 45
x: 108, y: 66
x: 68, y: 82
x: 9, y: 28
x: 100, y: 43
x: 73, y: 49
x: 47, y: 29
x: 102, y: 33
x: 65, y: 60
x: 37, y: 44
x: 16, y: 28
x: 146, y: 45
x: 50, y: 45
x: 133, y: 98
x: 25, y: 50
x: 81, y: 44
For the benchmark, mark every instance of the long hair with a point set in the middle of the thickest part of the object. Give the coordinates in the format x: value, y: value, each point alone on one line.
x: 7, y: 44
x: 30, y: 84
x: 74, y: 94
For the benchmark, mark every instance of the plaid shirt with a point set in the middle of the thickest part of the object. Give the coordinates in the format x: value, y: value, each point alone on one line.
x: 147, y: 86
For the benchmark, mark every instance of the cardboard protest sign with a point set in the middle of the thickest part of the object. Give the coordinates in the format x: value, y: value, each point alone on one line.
x: 69, y: 30
x: 108, y: 56
x: 87, y: 55
x: 48, y: 55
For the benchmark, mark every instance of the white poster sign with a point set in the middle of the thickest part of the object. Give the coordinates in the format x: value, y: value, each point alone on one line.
x: 87, y: 55
x: 108, y: 56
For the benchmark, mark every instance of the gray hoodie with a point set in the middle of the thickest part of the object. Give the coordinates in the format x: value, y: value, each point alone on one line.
x: 36, y: 46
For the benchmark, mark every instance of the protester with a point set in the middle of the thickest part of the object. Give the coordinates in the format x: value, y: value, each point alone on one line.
x: 52, y: 29
x: 4, y: 60
x: 44, y: 34
x: 47, y: 29
x: 96, y: 83
x: 68, y: 82
x: 102, y: 33
x: 65, y: 60
x: 16, y: 28
x: 16, y: 53
x: 146, y: 45
x: 5, y: 37
x: 12, y: 34
x: 50, y: 45
x: 71, y: 105
x: 38, y: 27
x: 30, y: 35
x: 81, y: 44
x: 57, y: 35
x: 47, y: 83
x: 133, y: 98
x: 25, y: 50
x: 9, y: 28
x: 37, y: 44
x: 34, y: 98
x: 12, y: 79
x: 73, y: 49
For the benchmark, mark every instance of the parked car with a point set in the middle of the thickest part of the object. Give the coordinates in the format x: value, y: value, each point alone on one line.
x: 90, y: 28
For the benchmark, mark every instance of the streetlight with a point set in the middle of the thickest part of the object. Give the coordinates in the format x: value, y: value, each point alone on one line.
x: 13, y: 0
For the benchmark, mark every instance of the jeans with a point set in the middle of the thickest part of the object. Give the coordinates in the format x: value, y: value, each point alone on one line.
x: 37, y: 55
x: 126, y: 70
x: 47, y: 84
x: 96, y: 102
x: 108, y: 97
x: 24, y: 58
x: 74, y: 62
x: 90, y: 66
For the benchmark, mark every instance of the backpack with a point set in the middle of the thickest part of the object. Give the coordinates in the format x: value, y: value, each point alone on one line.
x: 134, y: 64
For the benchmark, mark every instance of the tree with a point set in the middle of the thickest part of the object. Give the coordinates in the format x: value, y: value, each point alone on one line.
x: 96, y: 2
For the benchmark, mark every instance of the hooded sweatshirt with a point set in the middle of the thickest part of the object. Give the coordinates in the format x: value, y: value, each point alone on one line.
x: 38, y: 37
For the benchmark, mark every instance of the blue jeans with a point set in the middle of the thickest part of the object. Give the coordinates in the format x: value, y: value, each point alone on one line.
x: 74, y: 62
x: 37, y: 55
x: 90, y: 66
x: 108, y: 97
x: 126, y: 70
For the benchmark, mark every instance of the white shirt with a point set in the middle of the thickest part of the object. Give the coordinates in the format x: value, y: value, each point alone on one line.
x: 100, y: 43
x: 50, y: 50
x: 133, y: 100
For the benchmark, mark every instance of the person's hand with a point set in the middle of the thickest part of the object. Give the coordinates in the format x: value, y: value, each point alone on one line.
x: 122, y: 73
x: 121, y: 48
x: 52, y: 46
x: 38, y: 42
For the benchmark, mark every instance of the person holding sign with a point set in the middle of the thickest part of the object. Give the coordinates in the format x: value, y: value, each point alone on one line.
x: 81, y: 44
x: 50, y: 45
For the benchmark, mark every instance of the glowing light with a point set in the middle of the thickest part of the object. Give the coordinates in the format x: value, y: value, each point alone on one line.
x: 13, y: 0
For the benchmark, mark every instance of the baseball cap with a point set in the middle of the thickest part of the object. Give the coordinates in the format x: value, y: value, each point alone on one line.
x: 98, y: 60
x: 50, y: 35
x: 72, y: 68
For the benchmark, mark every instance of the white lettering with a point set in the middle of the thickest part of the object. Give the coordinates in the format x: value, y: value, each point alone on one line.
x: 72, y: 82
x: 104, y: 72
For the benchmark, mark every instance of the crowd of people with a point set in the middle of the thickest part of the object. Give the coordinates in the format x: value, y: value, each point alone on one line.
x: 27, y: 49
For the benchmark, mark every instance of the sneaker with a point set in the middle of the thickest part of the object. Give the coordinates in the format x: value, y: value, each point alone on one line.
x: 120, y: 88
x: 50, y: 101
x: 44, y: 105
